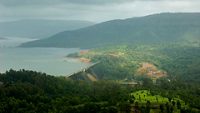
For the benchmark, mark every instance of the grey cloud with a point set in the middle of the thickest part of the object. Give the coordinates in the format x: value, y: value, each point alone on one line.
x: 92, y: 10
x: 47, y: 2
x: 14, y: 3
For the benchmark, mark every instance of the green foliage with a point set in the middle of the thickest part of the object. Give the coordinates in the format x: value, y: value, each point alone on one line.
x: 32, y: 92
x: 144, y: 96
x: 121, y: 62
x: 180, y: 61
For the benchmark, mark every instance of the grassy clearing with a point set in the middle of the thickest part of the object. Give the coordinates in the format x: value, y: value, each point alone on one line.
x: 143, y: 96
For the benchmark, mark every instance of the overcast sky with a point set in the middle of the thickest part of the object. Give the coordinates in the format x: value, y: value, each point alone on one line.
x: 91, y: 10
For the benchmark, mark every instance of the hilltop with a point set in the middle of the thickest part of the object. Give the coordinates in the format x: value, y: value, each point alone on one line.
x: 152, y: 29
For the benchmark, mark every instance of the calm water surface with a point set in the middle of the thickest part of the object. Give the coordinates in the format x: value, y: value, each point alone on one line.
x: 49, y: 60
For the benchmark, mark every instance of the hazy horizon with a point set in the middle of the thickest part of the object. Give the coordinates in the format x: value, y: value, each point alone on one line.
x: 91, y: 10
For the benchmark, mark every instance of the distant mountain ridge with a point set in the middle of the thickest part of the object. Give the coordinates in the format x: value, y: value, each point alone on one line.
x: 39, y: 28
x: 157, y: 28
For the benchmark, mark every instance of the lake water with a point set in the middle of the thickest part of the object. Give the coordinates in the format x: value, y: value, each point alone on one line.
x: 49, y: 60
x: 6, y: 42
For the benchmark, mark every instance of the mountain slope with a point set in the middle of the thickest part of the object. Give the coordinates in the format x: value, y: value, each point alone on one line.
x: 158, y: 28
x: 39, y: 28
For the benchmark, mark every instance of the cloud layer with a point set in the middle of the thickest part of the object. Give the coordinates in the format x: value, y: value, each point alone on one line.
x: 92, y: 10
x: 48, y: 2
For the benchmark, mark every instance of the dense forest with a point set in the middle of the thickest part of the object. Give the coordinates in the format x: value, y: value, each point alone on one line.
x: 32, y: 92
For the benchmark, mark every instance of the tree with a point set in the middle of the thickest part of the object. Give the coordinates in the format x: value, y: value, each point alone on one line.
x: 161, y: 108
x: 148, y: 107
x: 178, y: 104
x: 91, y: 108
x: 125, y: 107
x: 136, y: 108
x: 173, y: 103
x: 167, y: 107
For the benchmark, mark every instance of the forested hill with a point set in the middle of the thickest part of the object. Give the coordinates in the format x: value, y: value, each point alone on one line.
x: 158, y: 28
x: 33, y: 92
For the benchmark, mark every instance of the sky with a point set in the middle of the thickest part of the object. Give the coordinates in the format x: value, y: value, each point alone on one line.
x: 91, y: 10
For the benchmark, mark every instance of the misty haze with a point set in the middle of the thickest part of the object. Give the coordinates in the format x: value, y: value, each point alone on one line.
x: 99, y: 56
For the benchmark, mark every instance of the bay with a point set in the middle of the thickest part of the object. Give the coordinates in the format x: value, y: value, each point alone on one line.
x: 52, y: 61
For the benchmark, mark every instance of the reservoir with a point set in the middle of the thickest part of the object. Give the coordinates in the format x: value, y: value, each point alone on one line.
x: 52, y: 61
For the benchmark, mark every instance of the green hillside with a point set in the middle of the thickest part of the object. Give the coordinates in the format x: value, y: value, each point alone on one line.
x: 122, y: 62
x: 168, y: 70
x: 158, y: 28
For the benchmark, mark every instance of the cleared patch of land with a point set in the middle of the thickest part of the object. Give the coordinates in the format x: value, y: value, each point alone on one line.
x: 151, y: 71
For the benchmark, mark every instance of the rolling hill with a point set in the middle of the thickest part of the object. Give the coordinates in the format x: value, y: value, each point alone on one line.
x: 157, y: 28
x: 38, y: 28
